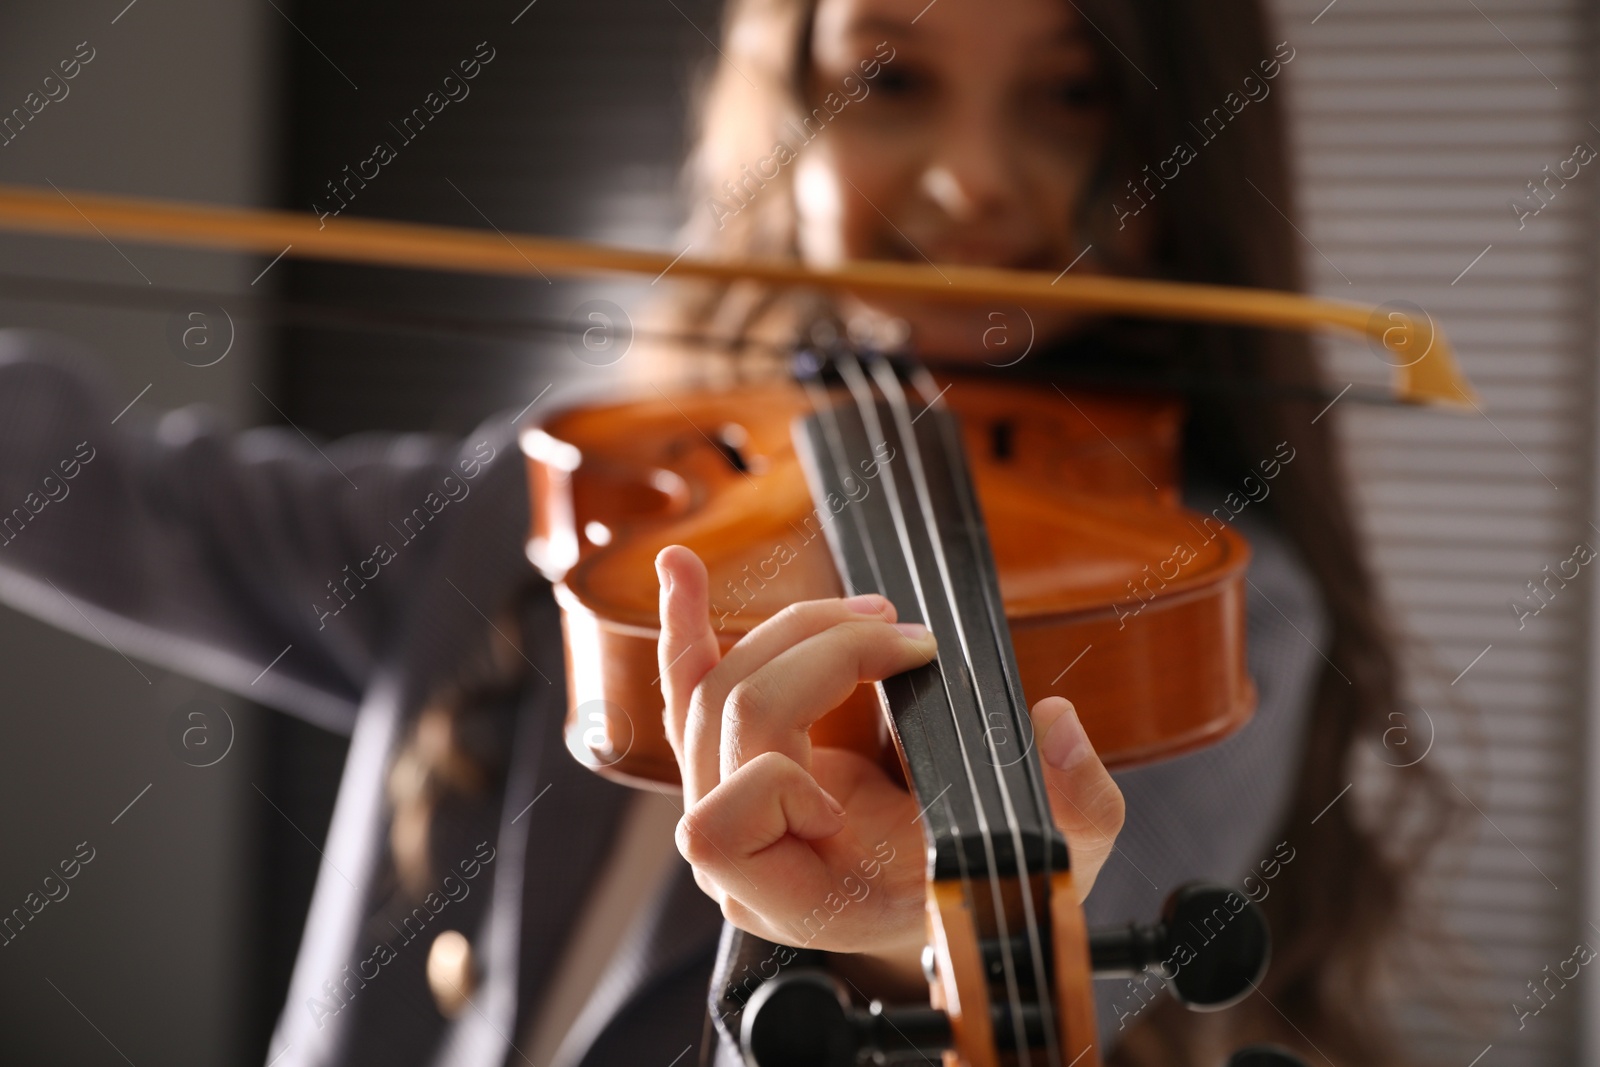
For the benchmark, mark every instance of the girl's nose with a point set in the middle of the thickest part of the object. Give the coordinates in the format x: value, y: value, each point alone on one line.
x: 971, y: 173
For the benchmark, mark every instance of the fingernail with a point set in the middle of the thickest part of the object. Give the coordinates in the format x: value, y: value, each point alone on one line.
x: 665, y: 577
x: 914, y: 630
x: 838, y: 808
x: 1065, y: 744
x: 867, y: 604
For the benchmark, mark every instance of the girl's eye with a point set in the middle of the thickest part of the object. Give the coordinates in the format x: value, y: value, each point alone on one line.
x: 1078, y: 92
x: 899, y: 81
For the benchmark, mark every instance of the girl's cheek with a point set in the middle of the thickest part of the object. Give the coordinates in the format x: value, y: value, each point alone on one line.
x: 840, y: 190
x: 819, y: 205
x: 870, y: 180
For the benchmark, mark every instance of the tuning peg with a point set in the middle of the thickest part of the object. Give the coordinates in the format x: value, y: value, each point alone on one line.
x: 1265, y: 1056
x: 803, y: 1018
x: 1211, y: 946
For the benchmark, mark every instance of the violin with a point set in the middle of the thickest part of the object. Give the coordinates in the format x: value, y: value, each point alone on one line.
x: 1021, y: 526
x: 1037, y: 534
x: 1102, y: 574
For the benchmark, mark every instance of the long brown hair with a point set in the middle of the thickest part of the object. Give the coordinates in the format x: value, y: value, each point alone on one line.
x: 1224, y: 220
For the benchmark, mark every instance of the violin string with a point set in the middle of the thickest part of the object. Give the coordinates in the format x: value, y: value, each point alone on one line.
x: 889, y: 384
x: 837, y: 455
x: 996, y: 633
x: 850, y: 371
x: 971, y: 513
x: 1016, y: 704
x: 404, y: 322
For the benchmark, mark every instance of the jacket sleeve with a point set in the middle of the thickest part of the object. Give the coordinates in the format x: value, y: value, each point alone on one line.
x: 744, y: 962
x: 263, y: 562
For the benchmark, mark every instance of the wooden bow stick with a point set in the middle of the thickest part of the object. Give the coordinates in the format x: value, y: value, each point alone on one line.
x: 1425, y: 366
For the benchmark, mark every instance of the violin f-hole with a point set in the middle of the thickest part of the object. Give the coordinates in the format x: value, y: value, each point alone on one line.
x: 1002, y: 439
x: 731, y: 441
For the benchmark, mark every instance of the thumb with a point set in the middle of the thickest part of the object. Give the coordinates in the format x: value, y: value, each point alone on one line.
x: 1085, y: 800
x: 688, y: 648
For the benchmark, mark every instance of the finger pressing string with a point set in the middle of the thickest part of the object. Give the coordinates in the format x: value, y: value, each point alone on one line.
x: 1086, y: 802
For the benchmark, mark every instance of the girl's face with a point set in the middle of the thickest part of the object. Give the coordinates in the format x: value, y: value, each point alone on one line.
x: 967, y: 133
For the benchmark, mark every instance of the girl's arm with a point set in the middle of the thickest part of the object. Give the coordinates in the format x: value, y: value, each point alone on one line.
x: 265, y: 562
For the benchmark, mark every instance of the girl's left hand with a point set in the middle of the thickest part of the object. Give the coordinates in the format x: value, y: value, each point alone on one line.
x: 818, y: 847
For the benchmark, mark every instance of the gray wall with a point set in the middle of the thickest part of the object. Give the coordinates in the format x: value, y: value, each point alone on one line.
x: 147, y: 947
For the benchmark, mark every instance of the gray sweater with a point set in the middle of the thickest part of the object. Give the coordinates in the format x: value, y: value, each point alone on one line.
x: 364, y: 571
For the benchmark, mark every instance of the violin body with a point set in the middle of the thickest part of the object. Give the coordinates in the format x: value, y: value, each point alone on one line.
x: 1116, y: 596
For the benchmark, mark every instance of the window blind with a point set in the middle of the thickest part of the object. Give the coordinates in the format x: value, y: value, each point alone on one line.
x: 1416, y: 125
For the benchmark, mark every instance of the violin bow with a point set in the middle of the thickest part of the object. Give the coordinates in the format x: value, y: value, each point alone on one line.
x: 1433, y: 377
